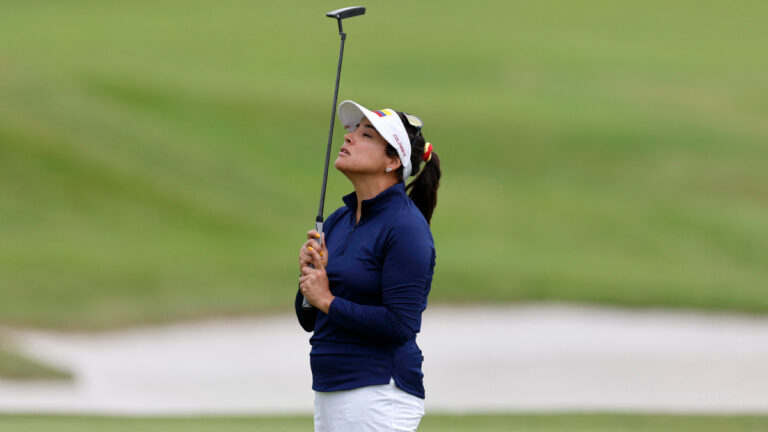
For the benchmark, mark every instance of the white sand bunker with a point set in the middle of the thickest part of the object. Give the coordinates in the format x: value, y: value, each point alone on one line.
x: 477, y: 359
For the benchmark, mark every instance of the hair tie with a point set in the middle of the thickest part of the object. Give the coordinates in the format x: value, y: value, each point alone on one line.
x: 427, y: 152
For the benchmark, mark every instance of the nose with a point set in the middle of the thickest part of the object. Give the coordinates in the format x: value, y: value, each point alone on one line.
x: 347, y: 138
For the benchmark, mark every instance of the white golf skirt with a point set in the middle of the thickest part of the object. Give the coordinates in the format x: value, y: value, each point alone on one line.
x: 378, y: 408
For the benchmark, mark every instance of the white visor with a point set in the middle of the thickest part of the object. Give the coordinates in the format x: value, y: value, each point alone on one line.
x: 387, y: 124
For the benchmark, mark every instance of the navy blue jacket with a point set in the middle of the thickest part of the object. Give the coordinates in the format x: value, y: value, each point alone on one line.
x: 380, y: 271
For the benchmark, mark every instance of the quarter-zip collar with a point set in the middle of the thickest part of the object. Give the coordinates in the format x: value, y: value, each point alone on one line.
x: 377, y: 203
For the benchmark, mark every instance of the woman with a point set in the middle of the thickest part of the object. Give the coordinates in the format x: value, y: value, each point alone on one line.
x: 368, y: 282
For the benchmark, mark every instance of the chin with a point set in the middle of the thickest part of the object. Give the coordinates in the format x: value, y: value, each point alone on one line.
x: 339, y: 164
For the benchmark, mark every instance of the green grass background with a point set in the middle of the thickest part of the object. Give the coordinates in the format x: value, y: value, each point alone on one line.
x: 443, y: 423
x: 161, y: 160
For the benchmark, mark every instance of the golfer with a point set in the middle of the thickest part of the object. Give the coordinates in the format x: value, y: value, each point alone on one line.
x: 369, y: 281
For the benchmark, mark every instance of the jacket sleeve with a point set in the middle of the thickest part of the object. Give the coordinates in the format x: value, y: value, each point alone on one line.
x: 306, y: 316
x: 406, y: 274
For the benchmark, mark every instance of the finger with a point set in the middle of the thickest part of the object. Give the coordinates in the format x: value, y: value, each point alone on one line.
x: 308, y: 269
x: 305, y: 249
x: 317, y: 260
x: 303, y: 264
x: 305, y: 257
x: 312, y: 235
x: 313, y: 247
x: 309, y: 243
x: 317, y: 241
x: 324, y: 252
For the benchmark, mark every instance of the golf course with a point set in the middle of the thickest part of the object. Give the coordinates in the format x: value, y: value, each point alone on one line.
x: 162, y: 161
x: 442, y: 423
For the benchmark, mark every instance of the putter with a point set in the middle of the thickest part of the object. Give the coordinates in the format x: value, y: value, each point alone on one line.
x: 339, y: 15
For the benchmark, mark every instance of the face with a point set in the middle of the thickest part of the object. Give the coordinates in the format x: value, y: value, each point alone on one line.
x: 364, y: 152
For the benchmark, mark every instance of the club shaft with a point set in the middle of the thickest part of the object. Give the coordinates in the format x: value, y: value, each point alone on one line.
x: 330, y: 130
x: 319, y: 220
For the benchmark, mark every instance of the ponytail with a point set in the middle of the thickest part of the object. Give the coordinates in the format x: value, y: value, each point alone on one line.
x: 425, y: 171
x: 423, y: 188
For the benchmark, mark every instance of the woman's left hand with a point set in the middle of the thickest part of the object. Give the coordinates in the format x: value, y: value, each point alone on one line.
x: 314, y: 283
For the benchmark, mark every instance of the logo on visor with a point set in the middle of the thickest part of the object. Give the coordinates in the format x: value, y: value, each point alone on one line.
x: 384, y: 112
x: 397, y: 140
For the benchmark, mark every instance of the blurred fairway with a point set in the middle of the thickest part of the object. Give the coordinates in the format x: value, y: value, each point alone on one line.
x: 430, y: 423
x: 162, y: 160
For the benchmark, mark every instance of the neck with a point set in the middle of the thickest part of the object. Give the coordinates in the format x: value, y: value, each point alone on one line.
x: 369, y: 187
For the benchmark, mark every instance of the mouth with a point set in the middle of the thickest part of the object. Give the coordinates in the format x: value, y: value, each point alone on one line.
x: 343, y: 151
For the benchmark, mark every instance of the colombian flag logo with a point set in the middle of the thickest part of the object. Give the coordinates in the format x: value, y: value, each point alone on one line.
x: 384, y: 112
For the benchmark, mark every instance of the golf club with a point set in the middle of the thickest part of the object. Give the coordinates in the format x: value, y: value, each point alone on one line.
x: 339, y: 14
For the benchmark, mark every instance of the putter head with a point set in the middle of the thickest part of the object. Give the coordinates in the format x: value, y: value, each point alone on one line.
x: 347, y: 12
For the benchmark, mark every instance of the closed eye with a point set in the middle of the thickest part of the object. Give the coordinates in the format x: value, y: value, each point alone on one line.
x: 369, y: 126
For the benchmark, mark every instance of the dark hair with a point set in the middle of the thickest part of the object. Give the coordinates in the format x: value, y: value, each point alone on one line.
x: 423, y: 188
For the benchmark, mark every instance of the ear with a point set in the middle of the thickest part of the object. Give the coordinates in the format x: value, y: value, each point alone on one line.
x: 393, y: 162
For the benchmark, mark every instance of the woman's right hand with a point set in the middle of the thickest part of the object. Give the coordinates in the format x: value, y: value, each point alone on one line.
x: 305, y: 258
